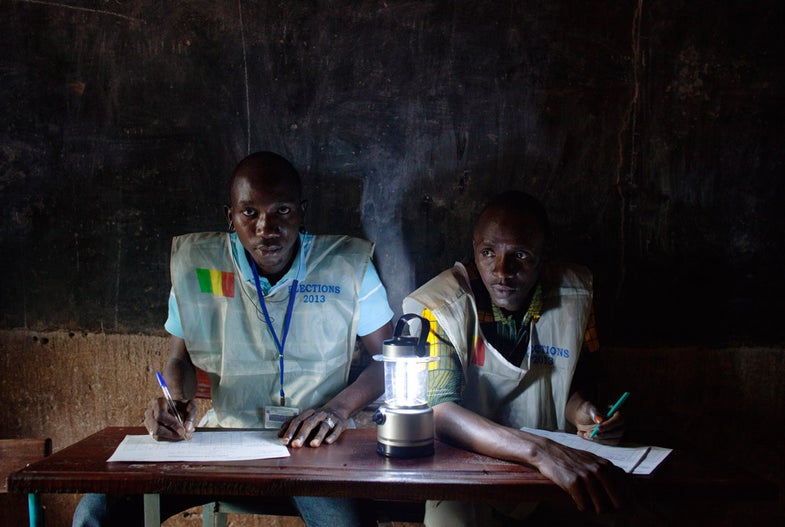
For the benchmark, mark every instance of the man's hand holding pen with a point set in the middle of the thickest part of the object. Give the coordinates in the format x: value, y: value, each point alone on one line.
x: 164, y: 426
x: 164, y: 417
x: 595, y: 426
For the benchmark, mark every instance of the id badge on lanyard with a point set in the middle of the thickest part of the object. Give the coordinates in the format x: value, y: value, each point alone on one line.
x: 275, y: 416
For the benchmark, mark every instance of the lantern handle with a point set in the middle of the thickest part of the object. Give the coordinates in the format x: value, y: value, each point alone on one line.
x: 425, y: 328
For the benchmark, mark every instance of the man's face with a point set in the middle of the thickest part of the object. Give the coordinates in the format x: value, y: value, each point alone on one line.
x: 508, y: 250
x: 267, y: 213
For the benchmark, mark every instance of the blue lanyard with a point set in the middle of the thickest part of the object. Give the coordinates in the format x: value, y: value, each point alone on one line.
x: 278, y: 344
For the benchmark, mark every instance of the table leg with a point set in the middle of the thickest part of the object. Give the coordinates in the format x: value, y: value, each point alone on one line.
x: 34, y: 510
x: 152, y: 510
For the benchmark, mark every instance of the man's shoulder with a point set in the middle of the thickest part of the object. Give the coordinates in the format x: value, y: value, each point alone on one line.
x: 455, y: 276
x: 447, y: 287
x: 335, y: 238
x: 325, y: 242
x: 198, y: 237
x: 565, y: 275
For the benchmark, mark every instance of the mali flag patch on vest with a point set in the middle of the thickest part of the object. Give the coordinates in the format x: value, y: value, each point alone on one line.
x: 478, y: 353
x: 216, y: 282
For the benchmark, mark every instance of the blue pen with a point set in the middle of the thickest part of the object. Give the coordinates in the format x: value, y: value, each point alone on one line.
x: 169, y: 399
x: 613, y: 410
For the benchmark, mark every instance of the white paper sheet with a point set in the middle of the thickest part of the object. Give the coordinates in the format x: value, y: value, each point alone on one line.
x: 654, y: 457
x: 628, y: 459
x: 221, y: 445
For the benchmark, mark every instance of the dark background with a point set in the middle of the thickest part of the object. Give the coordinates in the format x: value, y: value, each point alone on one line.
x: 653, y: 133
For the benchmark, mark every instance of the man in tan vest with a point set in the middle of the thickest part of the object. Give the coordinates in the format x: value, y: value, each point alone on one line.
x: 511, y: 332
x: 271, y: 313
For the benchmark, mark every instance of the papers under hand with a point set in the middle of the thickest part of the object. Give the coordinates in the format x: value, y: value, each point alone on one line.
x: 218, y: 445
x: 653, y: 457
x: 631, y: 459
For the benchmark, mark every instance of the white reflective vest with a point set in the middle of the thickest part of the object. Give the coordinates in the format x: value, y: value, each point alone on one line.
x: 532, y: 394
x: 227, y: 336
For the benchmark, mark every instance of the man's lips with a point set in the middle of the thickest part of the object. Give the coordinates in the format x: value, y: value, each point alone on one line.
x: 268, y: 252
x: 503, y: 290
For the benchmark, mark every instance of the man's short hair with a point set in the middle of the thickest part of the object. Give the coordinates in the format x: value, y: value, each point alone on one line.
x: 520, y: 201
x: 272, y: 162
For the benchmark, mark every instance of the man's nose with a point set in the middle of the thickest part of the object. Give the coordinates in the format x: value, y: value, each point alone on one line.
x: 266, y: 225
x: 503, y: 265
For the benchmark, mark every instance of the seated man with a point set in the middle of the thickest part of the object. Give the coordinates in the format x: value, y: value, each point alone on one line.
x: 271, y: 313
x: 509, y: 329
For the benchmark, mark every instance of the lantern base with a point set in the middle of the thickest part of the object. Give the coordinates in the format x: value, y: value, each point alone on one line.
x: 404, y: 432
x: 404, y: 452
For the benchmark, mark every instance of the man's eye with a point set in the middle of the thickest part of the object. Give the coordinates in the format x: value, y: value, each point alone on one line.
x: 486, y: 253
x: 527, y: 258
x: 284, y: 210
x: 249, y: 212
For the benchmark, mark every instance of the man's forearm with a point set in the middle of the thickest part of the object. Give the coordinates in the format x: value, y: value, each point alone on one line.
x: 180, y: 371
x: 466, y: 429
x: 590, y: 481
x: 368, y: 386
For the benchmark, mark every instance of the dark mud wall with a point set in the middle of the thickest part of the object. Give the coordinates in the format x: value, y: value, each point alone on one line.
x: 652, y: 132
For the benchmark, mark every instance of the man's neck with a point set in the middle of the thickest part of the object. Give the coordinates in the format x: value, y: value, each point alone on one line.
x: 516, y: 315
x: 274, y: 278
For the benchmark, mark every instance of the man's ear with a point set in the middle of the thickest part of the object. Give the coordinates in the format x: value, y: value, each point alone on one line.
x: 303, y: 208
x: 228, y: 213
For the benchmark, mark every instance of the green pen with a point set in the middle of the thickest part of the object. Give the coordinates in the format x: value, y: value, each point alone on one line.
x: 613, y: 410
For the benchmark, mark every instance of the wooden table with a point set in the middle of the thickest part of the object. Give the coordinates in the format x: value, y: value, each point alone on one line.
x: 352, y: 468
